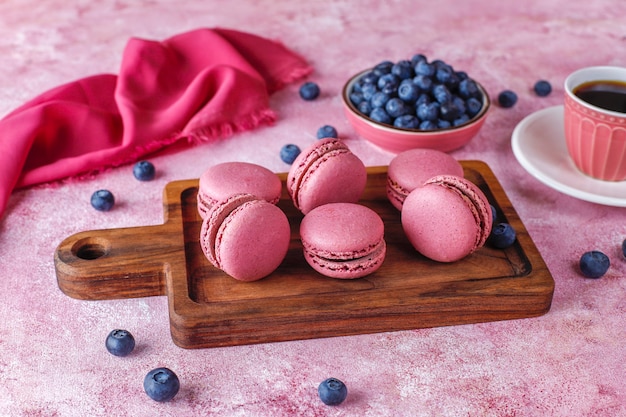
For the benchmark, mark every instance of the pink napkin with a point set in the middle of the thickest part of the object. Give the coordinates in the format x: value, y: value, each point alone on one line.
x: 198, y: 85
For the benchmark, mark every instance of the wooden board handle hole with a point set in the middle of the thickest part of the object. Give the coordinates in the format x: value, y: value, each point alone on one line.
x: 91, y: 248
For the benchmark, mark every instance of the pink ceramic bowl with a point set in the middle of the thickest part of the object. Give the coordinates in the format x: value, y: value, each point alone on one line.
x: 398, y: 140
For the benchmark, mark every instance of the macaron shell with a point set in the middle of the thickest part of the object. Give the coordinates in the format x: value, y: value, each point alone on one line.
x: 446, y: 219
x: 343, y: 240
x: 214, y: 219
x: 253, y: 240
x: 220, y: 181
x: 412, y: 168
x: 327, y: 172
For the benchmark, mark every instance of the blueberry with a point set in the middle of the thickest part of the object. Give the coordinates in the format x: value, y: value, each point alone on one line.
x: 383, y: 67
x: 417, y: 58
x: 332, y: 391
x: 388, y: 83
x: 408, y: 121
x: 380, y: 115
x: 443, y: 124
x: 428, y: 111
x: 327, y: 131
x: 289, y: 153
x: 368, y: 90
x: 408, y: 92
x: 356, y: 98
x: 594, y: 264
x: 379, y: 99
x: 120, y: 342
x: 507, y: 98
x: 542, y: 88
x: 424, y: 68
x: 449, y: 111
x: 473, y: 106
x: 462, y: 119
x: 624, y: 248
x: 428, y: 125
x: 494, y: 213
x: 422, y: 99
x: 444, y: 74
x: 441, y: 93
x: 468, y: 88
x: 403, y: 69
x: 424, y: 82
x: 365, y: 107
x: 396, y: 107
x: 502, y: 235
x: 369, y: 78
x: 102, y: 200
x: 161, y: 384
x: 309, y: 91
x: 460, y: 104
x: 144, y: 171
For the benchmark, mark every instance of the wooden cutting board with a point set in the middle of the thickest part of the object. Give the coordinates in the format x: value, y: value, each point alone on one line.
x: 208, y: 308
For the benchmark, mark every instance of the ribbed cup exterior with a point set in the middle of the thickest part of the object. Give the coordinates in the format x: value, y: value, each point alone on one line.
x: 596, y: 140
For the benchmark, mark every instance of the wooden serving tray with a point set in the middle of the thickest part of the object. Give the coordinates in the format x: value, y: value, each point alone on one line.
x: 208, y: 308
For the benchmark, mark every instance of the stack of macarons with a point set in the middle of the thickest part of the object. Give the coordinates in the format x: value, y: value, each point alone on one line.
x: 445, y: 216
x: 243, y: 232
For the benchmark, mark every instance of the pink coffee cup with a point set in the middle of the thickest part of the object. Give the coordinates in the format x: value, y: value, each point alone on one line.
x: 595, y: 136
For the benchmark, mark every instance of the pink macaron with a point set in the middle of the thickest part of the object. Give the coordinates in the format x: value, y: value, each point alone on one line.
x: 245, y: 236
x: 412, y: 168
x: 447, y: 218
x: 326, y: 172
x: 223, y: 180
x: 343, y: 240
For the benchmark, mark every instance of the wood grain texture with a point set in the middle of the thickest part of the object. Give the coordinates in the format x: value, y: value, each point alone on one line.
x: 208, y: 308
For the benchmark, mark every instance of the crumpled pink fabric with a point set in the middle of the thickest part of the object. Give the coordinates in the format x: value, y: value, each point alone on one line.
x: 198, y: 85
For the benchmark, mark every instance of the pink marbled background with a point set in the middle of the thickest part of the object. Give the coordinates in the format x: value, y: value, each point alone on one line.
x: 569, y: 362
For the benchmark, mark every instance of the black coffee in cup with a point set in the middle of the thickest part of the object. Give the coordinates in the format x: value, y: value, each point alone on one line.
x: 609, y: 95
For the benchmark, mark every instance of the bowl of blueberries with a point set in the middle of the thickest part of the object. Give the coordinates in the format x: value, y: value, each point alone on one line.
x: 415, y: 103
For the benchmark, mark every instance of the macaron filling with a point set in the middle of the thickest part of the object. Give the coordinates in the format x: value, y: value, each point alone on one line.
x: 347, y: 265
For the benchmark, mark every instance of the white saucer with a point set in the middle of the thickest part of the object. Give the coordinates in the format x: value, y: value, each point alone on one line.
x: 538, y: 143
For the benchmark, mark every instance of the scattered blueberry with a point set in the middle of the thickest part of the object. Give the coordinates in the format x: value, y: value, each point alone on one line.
x: 120, y: 342
x: 494, y: 213
x: 594, y: 264
x: 332, y: 391
x: 624, y: 248
x: 327, y: 131
x: 542, y: 88
x: 289, y: 153
x: 502, y: 235
x: 102, y: 200
x: 507, y: 98
x: 144, y: 171
x: 309, y: 91
x: 161, y: 384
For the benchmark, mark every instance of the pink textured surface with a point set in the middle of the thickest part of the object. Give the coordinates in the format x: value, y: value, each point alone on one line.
x: 569, y: 362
